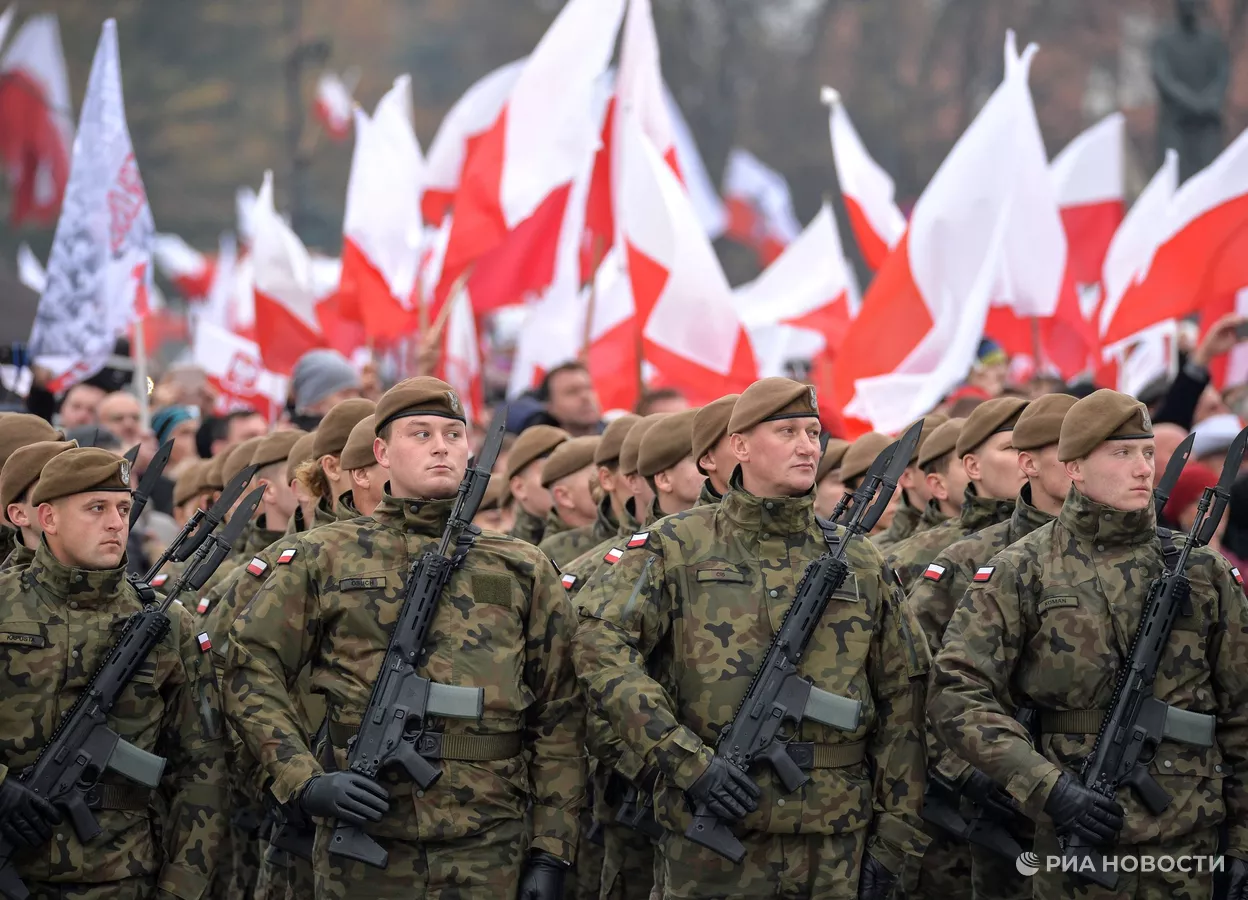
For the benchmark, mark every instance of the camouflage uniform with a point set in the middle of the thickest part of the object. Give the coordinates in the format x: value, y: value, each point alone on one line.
x: 1048, y: 626
x: 503, y: 624
x: 708, y: 495
x: 911, y: 557
x: 19, y: 558
x: 528, y: 528
x: 566, y: 544
x: 170, y: 708
x: 697, y: 605
x: 256, y: 537
x: 906, y: 522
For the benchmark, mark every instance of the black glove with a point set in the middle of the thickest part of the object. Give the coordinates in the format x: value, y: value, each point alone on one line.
x: 727, y: 791
x: 26, y: 819
x: 543, y: 877
x: 346, y: 796
x: 989, y: 796
x: 1083, y: 813
x: 1237, y: 885
x: 875, y: 882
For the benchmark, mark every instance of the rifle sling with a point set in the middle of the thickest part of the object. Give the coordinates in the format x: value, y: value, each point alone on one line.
x: 130, y: 797
x: 809, y: 755
x: 440, y: 745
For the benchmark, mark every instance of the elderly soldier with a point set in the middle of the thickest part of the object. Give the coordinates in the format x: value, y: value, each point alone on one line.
x: 829, y: 488
x: 567, y: 474
x: 524, y: 477
x: 712, y: 449
x: 915, y: 495
x: 672, y: 629
x: 1046, y: 624
x: 504, y: 810
x: 17, y: 482
x: 60, y: 617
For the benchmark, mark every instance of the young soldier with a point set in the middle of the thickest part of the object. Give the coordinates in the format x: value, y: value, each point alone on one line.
x: 854, y: 465
x: 17, y: 430
x: 665, y: 460
x: 367, y: 477
x: 711, y: 446
x: 567, y: 475
x: 912, y: 487
x: 17, y: 481
x: 322, y: 476
x: 524, y: 478
x: 829, y: 488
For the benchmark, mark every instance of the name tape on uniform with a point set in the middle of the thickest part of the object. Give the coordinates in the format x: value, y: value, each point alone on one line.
x: 983, y: 573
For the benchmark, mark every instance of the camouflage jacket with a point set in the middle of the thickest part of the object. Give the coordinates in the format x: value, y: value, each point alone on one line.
x: 528, y: 528
x: 577, y: 572
x: 503, y: 624
x: 1048, y: 622
x: 8, y: 540
x: 256, y: 536
x: 566, y: 544
x: 911, y: 557
x: 19, y: 558
x: 696, y: 603
x: 906, y: 522
x: 708, y: 495
x: 57, y: 626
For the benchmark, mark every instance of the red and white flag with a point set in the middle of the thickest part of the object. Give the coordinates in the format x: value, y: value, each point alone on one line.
x: 333, y: 105
x: 868, y: 190
x: 99, y: 270
x: 233, y: 365
x: 36, y: 120
x: 459, y: 363
x: 190, y: 271
x: 759, y: 204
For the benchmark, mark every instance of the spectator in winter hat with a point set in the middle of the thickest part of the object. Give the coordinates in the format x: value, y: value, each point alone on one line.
x: 321, y: 380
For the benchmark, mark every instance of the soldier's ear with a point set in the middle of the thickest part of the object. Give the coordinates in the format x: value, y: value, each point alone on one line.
x: 1027, y: 463
x: 17, y: 515
x: 47, y: 518
x: 1074, y: 471
x: 970, y: 463
x: 740, y: 450
x: 381, y: 452
x: 936, y: 486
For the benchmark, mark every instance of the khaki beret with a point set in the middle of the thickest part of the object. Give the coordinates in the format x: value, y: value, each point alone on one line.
x: 335, y: 428
x: 22, y: 469
x: 568, y: 458
x: 421, y: 396
x: 862, y: 453
x: 240, y: 458
x: 191, y: 481
x: 358, y: 453
x: 299, y: 454
x: 533, y: 443
x: 497, y: 494
x: 80, y: 470
x: 21, y: 429
x: 276, y: 447
x: 772, y: 398
x: 1101, y: 416
x: 943, y: 440
x: 214, y: 480
x: 989, y: 418
x: 667, y: 443
x: 931, y: 422
x: 711, y: 424
x: 632, y: 442
x: 613, y: 439
x: 1041, y: 422
x: 833, y: 455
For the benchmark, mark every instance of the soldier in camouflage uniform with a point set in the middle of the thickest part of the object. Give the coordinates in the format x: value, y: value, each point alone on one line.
x: 569, y: 475
x: 60, y: 618
x: 321, y: 475
x: 368, y: 478
x: 712, y: 448
x: 854, y: 465
x: 305, y: 511
x: 496, y: 511
x: 695, y: 601
x: 524, y: 479
x: 17, y: 481
x: 248, y: 541
x: 913, y: 491
x: 665, y: 460
x: 829, y: 489
x: 190, y: 490
x: 1047, y: 623
x: 504, y: 810
x: 993, y: 481
x: 18, y: 430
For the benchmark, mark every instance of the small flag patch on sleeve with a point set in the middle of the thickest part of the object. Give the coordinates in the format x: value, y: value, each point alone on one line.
x: 983, y: 573
x: 568, y: 581
x: 204, y: 643
x: 1239, y: 579
x: 160, y: 579
x: 613, y: 556
x: 934, y: 572
x: 638, y: 540
x: 286, y: 556
x: 202, y: 606
x: 257, y: 566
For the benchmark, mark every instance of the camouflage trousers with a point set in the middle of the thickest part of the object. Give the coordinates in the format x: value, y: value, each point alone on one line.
x: 244, y: 855
x: 582, y: 882
x: 483, y: 866
x: 141, y: 888
x: 946, y: 868
x: 785, y: 866
x: 993, y: 877
x: 284, y: 876
x: 1133, y: 882
x: 628, y: 864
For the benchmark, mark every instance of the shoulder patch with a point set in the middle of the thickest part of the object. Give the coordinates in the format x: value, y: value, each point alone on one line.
x: 205, y: 644
x: 160, y: 579
x: 286, y: 556
x: 568, y: 581
x: 202, y: 606
x: 613, y: 556
x: 257, y: 566
x: 934, y: 572
x: 1239, y: 579
x: 638, y: 540
x: 983, y: 573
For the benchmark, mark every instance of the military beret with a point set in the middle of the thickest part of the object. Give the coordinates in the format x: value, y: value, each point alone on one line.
x: 421, y: 396
x: 711, y: 424
x: 80, y: 470
x: 214, y: 479
x: 632, y: 442
x: 989, y: 418
x: 240, y: 458
x: 772, y: 398
x: 276, y: 447
x: 533, y: 443
x: 22, y: 469
x: 613, y: 439
x: 497, y: 494
x: 569, y: 457
x: 299, y: 454
x: 1101, y: 416
x: 861, y: 453
x: 943, y: 440
x: 931, y: 422
x: 1041, y: 422
x: 358, y: 453
x: 335, y: 428
x: 21, y: 429
x: 833, y: 455
x: 666, y: 443
x: 191, y: 481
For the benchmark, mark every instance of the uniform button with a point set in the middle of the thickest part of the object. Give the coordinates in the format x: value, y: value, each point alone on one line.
x: 73, y: 604
x: 1218, y: 768
x: 780, y: 802
x: 74, y: 654
x: 770, y: 505
x: 1100, y: 548
x: 765, y: 535
x: 60, y: 837
x: 774, y: 593
x: 420, y: 793
x: 1168, y: 764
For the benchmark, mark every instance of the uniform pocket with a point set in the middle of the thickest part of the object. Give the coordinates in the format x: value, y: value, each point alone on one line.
x: 32, y: 673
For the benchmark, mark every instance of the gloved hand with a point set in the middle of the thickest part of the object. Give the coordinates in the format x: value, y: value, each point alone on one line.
x: 993, y: 799
x: 1237, y: 885
x: 1076, y: 810
x: 876, y: 881
x: 543, y: 877
x: 346, y: 796
x: 26, y: 819
x: 727, y: 791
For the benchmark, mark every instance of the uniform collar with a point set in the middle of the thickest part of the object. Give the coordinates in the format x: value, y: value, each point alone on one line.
x: 1105, y: 525
x: 709, y: 496
x: 20, y: 557
x: 1027, y: 518
x: 422, y: 517
x: 605, y: 525
x: 554, y: 524
x: 905, y: 520
x: 323, y: 515
x: 345, y: 507
x: 87, y: 587
x: 933, y: 515
x: 980, y: 512
x: 260, y: 536
x: 778, y: 515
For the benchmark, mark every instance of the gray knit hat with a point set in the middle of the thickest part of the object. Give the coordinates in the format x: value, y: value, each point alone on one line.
x: 319, y: 373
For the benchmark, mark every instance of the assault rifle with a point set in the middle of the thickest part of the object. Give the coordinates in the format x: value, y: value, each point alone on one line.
x: 83, y: 746
x: 394, y: 722
x: 1137, y: 721
x: 778, y: 695
x: 201, y: 524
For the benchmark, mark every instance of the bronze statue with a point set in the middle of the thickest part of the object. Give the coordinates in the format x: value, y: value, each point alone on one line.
x: 1191, y: 69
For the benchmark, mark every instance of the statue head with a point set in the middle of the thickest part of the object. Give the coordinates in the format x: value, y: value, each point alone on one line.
x: 1188, y: 11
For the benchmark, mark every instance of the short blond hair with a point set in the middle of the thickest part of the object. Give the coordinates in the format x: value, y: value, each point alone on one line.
x: 310, y: 474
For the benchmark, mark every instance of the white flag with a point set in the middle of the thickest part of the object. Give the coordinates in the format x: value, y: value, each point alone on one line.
x: 99, y: 270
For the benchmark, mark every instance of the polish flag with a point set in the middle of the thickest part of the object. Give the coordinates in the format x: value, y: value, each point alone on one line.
x: 868, y: 190
x: 333, y: 105
x: 800, y: 307
x: 190, y: 271
x: 759, y: 204
x: 459, y: 363
x: 36, y: 127
x: 285, y: 297
x: 217, y: 305
x: 233, y: 365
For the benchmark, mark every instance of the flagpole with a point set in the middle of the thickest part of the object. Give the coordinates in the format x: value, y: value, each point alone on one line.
x: 139, y: 352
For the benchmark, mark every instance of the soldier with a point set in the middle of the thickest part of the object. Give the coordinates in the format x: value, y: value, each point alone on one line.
x: 933, y: 599
x: 524, y: 479
x: 829, y: 489
x: 190, y: 491
x: 368, y: 478
x: 854, y: 465
x: 305, y: 511
x: 322, y: 475
x: 17, y: 480
x: 993, y: 482
x: 60, y: 617
x: 18, y: 430
x: 214, y: 482
x: 712, y: 449
x: 496, y: 511
x: 503, y: 624
x: 944, y: 474
x: 908, y: 519
x: 1046, y: 625
x: 672, y: 628
x: 613, y: 486
x: 665, y: 460
x: 567, y: 474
